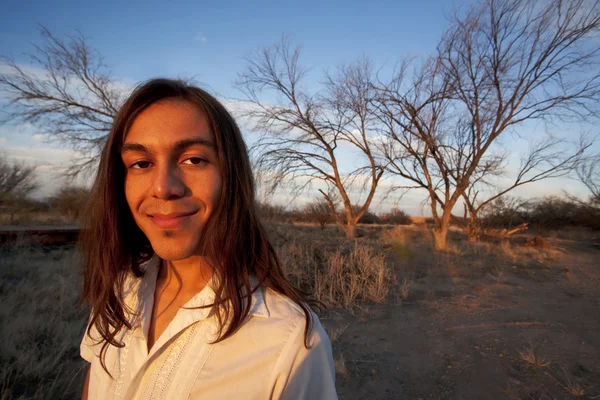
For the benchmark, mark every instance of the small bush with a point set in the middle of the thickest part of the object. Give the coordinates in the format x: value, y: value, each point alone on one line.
x: 318, y: 212
x: 398, y: 217
x: 369, y: 218
x: 531, y: 359
x: 70, y: 200
x: 342, y: 278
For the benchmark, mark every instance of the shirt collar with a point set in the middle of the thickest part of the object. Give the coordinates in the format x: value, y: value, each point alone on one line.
x: 258, y: 307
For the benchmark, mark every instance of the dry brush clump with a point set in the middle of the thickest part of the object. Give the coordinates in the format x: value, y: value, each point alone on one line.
x: 568, y: 384
x: 531, y: 359
x: 406, y: 241
x: 340, y: 367
x: 40, y: 324
x: 343, y: 277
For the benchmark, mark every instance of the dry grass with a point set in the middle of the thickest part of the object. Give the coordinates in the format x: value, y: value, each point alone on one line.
x: 39, y: 356
x: 341, y: 278
x: 406, y: 235
x: 497, y: 273
x: 336, y: 333
x: 531, y: 359
x: 35, y: 218
x: 404, y: 289
x: 566, y: 383
x: 340, y: 367
x: 570, y: 233
x: 40, y: 325
x: 575, y: 391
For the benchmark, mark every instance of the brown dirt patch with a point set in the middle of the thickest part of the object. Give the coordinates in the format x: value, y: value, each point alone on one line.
x: 469, y: 319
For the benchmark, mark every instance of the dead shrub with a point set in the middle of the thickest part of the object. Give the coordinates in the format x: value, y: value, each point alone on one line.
x: 342, y: 278
x: 340, y: 367
x: 407, y: 235
x: 70, y: 200
x: 529, y: 357
x: 351, y: 278
x: 335, y: 333
x: 404, y: 289
x: 539, y: 243
x: 567, y: 383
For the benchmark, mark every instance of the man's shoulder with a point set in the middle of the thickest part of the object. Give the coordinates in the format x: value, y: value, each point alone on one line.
x: 289, y: 317
x: 281, y: 306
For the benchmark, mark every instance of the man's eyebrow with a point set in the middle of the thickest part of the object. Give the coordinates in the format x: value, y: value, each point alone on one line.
x: 133, y: 147
x: 185, y: 143
x: 178, y: 147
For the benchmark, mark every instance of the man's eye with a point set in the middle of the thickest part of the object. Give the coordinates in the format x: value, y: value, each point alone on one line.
x: 195, y: 161
x: 140, y: 165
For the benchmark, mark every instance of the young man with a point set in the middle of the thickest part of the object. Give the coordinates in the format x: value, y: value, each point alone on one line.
x: 187, y: 296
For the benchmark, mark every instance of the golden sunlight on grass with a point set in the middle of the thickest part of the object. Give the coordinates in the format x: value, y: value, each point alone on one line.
x: 340, y: 367
x: 529, y: 357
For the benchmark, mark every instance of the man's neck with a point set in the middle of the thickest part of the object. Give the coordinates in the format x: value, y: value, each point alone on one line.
x: 189, y: 275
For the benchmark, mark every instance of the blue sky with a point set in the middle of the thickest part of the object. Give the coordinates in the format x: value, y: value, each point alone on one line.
x: 185, y: 38
x: 209, y: 40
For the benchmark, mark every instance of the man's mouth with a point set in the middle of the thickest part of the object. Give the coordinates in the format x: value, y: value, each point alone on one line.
x: 171, y: 220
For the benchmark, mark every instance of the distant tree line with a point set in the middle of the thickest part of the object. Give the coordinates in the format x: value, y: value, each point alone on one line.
x: 18, y: 181
x: 551, y: 212
x: 318, y: 213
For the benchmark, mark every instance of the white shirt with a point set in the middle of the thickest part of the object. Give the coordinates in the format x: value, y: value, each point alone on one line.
x: 265, y: 359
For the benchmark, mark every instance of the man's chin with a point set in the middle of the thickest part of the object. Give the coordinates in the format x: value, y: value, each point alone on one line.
x: 172, y: 253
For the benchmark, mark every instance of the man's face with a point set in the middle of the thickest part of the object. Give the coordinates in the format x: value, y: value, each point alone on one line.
x: 173, y: 179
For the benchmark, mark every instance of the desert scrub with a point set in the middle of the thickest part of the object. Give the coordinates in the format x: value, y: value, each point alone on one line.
x: 40, y: 324
x: 342, y: 278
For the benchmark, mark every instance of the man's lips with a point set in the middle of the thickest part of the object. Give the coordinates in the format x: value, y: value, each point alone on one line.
x: 171, y: 220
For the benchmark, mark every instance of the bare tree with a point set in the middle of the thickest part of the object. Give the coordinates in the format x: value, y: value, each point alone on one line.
x: 67, y: 92
x: 304, y: 134
x: 69, y: 200
x: 17, y: 180
x: 319, y: 211
x: 547, y: 158
x: 588, y: 172
x: 503, y: 63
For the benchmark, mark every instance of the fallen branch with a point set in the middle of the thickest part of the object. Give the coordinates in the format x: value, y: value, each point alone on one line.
x: 519, y: 228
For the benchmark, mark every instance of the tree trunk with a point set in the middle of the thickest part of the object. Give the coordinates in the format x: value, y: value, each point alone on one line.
x: 440, y: 233
x: 474, y: 229
x: 440, y: 238
x: 349, y: 230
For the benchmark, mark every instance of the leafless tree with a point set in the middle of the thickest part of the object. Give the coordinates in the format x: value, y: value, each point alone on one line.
x: 319, y: 211
x: 304, y: 134
x: 69, y: 200
x: 17, y: 180
x: 550, y: 157
x: 67, y: 92
x: 499, y: 65
x: 588, y: 172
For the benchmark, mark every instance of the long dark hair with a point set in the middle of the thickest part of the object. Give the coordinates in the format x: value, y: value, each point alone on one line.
x: 113, y: 246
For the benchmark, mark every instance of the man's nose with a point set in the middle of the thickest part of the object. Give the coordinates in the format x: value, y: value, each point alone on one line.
x: 167, y: 182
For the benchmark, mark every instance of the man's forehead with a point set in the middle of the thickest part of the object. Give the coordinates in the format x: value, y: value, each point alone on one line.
x: 167, y: 143
x: 169, y: 116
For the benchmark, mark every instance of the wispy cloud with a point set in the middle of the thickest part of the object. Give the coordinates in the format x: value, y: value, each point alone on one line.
x: 200, y: 37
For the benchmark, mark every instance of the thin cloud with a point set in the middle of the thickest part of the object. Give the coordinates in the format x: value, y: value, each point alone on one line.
x: 200, y: 38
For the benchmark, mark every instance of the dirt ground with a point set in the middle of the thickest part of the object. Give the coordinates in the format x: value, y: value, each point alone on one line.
x: 478, y: 323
